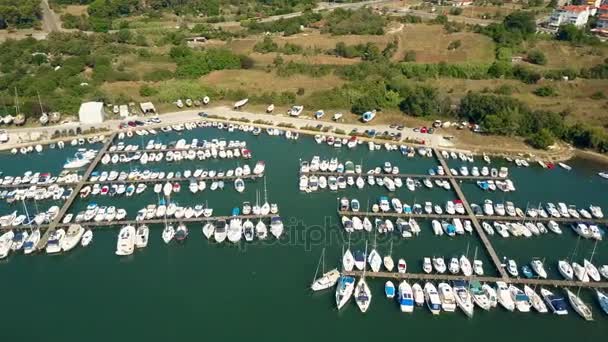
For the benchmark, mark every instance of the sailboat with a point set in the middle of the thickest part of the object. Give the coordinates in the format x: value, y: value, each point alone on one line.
x: 389, y: 264
x: 363, y: 295
x: 328, y: 279
x: 579, y: 306
x: 344, y: 290
x: 348, y: 260
x: 602, y: 298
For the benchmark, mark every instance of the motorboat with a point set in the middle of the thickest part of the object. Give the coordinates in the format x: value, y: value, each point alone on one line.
x: 504, y: 297
x: 539, y: 268
x: 208, y: 229
x: 31, y: 242
x: 72, y: 237
x: 405, y: 298
x: 6, y: 240
x: 557, y: 304
x: 439, y: 265
x: 402, y: 266
x: 512, y: 268
x: 432, y: 299
x: 276, y: 226
x: 565, y: 269
x: 418, y: 293
x: 220, y: 232
x: 521, y: 300
x: 463, y: 297
x: 126, y: 241
x: 535, y: 300
x: 480, y: 297
x: 447, y: 297
x: 87, y: 238
x: 168, y: 233
x: 141, y: 236
x: 389, y: 289
x: 53, y: 244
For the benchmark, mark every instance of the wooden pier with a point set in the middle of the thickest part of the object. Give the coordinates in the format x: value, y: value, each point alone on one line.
x: 460, y: 216
x: 480, y: 232
x: 400, y: 175
x: 185, y: 149
x: 75, y: 194
x: 173, y: 180
x: 452, y: 277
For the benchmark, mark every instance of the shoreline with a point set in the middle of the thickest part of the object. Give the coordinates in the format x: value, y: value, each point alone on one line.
x: 300, y: 124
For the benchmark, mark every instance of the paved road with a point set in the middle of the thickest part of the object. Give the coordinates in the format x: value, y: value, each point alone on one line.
x: 19, y: 136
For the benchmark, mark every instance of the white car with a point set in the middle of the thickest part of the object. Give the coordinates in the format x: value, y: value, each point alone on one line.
x: 3, y: 136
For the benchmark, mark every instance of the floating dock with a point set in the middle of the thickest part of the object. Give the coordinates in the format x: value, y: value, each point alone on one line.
x: 402, y: 175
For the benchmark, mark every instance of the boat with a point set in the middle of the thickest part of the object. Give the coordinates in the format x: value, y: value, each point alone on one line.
x: 348, y: 260
x: 53, y: 244
x: 565, y: 269
x: 432, y: 299
x: 504, y: 297
x: 368, y: 116
x: 239, y: 185
x: 512, y: 268
x: 295, y: 110
x: 326, y: 281
x: 555, y: 303
x: 126, y: 241
x: 405, y: 298
x: 276, y: 226
x: 389, y: 289
x: 480, y: 297
x: 87, y: 238
x: 363, y: 295
x: 447, y: 297
x: 6, y: 240
x: 344, y: 290
x: 388, y: 262
x: 168, y: 233
x: 235, y: 230
x: 374, y: 260
x: 418, y: 294
x: 270, y: 108
x: 141, y: 236
x: 402, y: 266
x: 208, y: 229
x: 535, y: 300
x: 521, y: 300
x: 31, y: 242
x: 602, y: 298
x: 239, y: 104
x: 579, y: 306
x: 463, y: 297
x: 538, y: 267
x: 72, y: 237
x: 220, y: 231
x: 592, y: 271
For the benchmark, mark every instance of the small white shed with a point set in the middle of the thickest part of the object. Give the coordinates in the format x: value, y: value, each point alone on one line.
x: 91, y: 113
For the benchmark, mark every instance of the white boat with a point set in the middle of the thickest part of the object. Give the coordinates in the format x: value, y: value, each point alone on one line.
x: 465, y: 266
x: 579, y: 306
x: 276, y: 226
x: 87, y: 237
x: 126, y: 241
x: 521, y: 300
x: 141, y: 236
x: 31, y: 242
x: 344, y: 290
x: 208, y: 229
x: 363, y: 295
x: 447, y: 297
x: 592, y: 271
x: 565, y: 269
x: 72, y: 237
x: 239, y: 104
x: 53, y: 244
x: 235, y: 230
x: 168, y: 233
x: 463, y: 297
x: 580, y: 272
x: 406, y: 297
x: 326, y: 281
x: 295, y: 110
x: 503, y: 295
x: 539, y: 268
x: 6, y: 240
x: 535, y: 300
x: 432, y: 299
x: 270, y: 108
x: 374, y: 260
x: 220, y: 232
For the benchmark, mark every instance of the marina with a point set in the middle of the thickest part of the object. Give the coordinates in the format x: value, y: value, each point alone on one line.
x: 303, y: 213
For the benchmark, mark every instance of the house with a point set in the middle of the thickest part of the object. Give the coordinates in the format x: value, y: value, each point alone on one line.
x: 593, y: 3
x: 576, y: 15
x: 91, y: 113
x: 602, y: 10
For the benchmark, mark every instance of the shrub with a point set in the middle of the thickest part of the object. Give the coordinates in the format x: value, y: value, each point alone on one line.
x: 147, y: 91
x: 537, y: 57
x: 410, y: 56
x: 542, y: 139
x: 545, y: 91
x: 454, y: 45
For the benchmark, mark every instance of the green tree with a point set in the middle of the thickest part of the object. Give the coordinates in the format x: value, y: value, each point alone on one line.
x: 542, y: 139
x: 537, y: 57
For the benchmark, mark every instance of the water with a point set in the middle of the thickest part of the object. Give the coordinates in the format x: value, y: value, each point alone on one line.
x: 261, y: 290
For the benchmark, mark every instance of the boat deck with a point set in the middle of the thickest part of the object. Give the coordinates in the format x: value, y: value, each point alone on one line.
x: 402, y: 175
x: 452, y: 277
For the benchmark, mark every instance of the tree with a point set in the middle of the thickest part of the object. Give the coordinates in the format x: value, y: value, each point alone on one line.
x: 522, y: 22
x: 542, y: 139
x: 423, y: 101
x: 537, y: 57
x: 545, y: 91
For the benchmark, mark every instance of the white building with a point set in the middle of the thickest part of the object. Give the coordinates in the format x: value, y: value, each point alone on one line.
x: 91, y: 113
x: 576, y: 15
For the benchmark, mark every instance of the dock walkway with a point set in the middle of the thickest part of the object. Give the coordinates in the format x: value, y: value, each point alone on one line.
x: 400, y: 175
x: 480, y: 232
x: 75, y: 194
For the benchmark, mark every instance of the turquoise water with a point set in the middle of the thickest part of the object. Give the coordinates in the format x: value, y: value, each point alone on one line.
x: 201, y: 290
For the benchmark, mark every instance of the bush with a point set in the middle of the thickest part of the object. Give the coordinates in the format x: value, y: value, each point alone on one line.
x: 456, y: 11
x: 537, y: 57
x: 300, y: 91
x: 545, y: 91
x: 147, y: 91
x: 266, y: 45
x: 454, y: 45
x: 360, y: 21
x: 410, y: 56
x: 423, y: 101
x: 246, y: 62
x: 542, y: 139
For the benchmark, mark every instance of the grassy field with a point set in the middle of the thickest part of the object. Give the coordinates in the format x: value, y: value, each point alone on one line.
x: 565, y: 55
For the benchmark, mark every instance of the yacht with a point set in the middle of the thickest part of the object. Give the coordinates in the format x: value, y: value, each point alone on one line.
x: 465, y: 266
x: 348, y: 261
x: 539, y: 268
x: 579, y: 306
x: 439, y: 265
x: 592, y: 271
x: 220, y: 231
x: 512, y: 268
x: 6, y: 240
x: 446, y: 294
x: 374, y: 260
x: 603, y: 300
x: 141, y: 236
x: 521, y: 300
x: 535, y: 300
x: 276, y: 226
x: 580, y: 272
x: 433, y: 301
x: 405, y: 298
x: 565, y: 269
x: 72, y: 237
x: 54, y: 242
x: 344, y: 290
x: 480, y: 296
x: 208, y: 229
x: 555, y: 303
x: 235, y: 230
x: 503, y: 295
x: 31, y: 242
x: 126, y: 241
x: 418, y: 293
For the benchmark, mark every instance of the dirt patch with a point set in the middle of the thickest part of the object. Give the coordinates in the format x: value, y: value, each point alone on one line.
x: 77, y: 10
